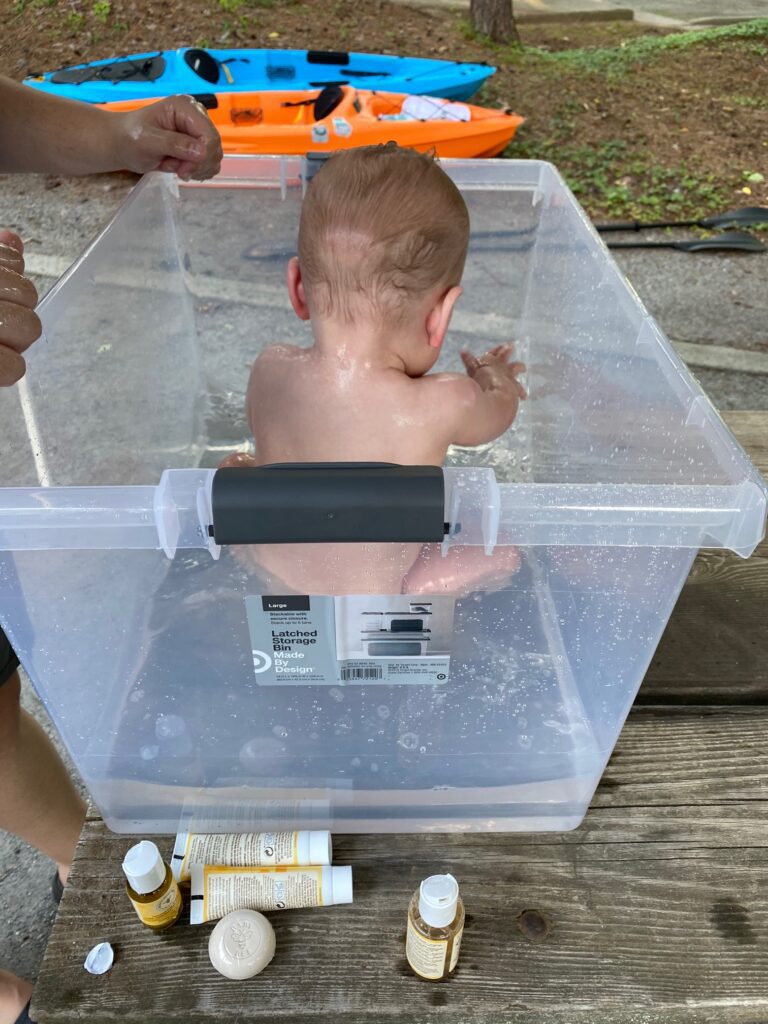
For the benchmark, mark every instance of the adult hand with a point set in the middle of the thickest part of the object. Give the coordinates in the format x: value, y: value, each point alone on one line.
x: 174, y: 134
x: 19, y: 324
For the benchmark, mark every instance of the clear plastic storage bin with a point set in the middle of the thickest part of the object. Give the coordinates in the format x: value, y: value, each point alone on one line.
x: 153, y: 645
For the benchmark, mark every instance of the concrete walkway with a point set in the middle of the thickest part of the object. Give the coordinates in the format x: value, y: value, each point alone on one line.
x: 671, y: 13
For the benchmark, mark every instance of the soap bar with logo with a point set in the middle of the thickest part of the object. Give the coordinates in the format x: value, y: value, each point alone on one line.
x: 242, y: 944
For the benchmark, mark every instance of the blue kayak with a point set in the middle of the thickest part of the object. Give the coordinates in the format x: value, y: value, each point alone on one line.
x: 192, y: 70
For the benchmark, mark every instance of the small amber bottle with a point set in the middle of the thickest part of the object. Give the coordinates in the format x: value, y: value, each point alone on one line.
x: 151, y: 887
x: 435, y: 927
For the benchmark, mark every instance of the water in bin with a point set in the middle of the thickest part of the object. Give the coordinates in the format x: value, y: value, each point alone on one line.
x: 615, y: 473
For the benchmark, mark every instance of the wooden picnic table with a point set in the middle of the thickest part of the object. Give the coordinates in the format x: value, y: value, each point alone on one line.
x: 654, y: 910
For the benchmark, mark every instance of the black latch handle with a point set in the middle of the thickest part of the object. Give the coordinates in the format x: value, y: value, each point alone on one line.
x: 328, y: 502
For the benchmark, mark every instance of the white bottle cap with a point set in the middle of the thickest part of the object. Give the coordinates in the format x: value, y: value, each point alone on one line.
x: 144, y: 867
x: 438, y: 896
x: 337, y: 885
x: 320, y: 848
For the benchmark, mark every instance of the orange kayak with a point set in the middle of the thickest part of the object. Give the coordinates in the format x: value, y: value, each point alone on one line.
x: 341, y: 117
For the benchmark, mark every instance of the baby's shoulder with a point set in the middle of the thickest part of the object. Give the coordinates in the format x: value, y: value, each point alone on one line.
x: 274, y: 361
x: 278, y: 353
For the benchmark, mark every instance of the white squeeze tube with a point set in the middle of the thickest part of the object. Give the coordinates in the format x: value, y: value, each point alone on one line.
x: 216, y: 891
x: 249, y: 849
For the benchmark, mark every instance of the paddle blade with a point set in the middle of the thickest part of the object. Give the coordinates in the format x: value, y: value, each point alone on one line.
x: 747, y: 216
x: 740, y: 241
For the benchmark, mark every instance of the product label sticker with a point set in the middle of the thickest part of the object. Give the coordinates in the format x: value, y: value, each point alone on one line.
x: 361, y: 640
x: 320, y: 133
x: 342, y: 127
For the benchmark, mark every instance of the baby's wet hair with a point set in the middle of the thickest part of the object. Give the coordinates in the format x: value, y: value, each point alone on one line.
x: 381, y: 227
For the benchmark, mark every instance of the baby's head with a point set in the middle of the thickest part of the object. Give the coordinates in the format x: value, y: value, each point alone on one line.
x: 382, y: 241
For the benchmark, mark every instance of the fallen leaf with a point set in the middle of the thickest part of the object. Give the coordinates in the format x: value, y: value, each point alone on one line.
x: 747, y: 190
x: 274, y: 35
x: 756, y: 178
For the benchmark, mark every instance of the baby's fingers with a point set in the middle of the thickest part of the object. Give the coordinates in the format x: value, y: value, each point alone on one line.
x: 503, y: 351
x: 471, y: 363
x: 522, y: 393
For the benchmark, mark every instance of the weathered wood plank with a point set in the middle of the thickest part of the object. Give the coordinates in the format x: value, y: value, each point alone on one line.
x: 715, y: 648
x: 656, y: 911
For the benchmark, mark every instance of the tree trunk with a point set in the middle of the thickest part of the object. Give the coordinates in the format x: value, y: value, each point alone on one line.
x: 494, y: 18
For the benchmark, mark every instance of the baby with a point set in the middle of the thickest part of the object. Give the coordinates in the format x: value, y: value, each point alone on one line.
x: 382, y: 242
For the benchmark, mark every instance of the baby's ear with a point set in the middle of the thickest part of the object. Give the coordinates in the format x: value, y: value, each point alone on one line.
x: 439, y: 316
x: 296, y: 291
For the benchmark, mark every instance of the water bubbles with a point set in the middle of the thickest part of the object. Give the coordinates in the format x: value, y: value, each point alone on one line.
x: 408, y: 740
x: 562, y: 727
x: 355, y: 762
x: 136, y: 695
x: 169, y: 727
x: 524, y: 741
x: 336, y: 693
x: 260, y: 751
x: 344, y: 725
x: 383, y: 711
x: 149, y: 752
x: 280, y: 731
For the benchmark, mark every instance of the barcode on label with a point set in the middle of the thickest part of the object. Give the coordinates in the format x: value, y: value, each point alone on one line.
x: 361, y: 672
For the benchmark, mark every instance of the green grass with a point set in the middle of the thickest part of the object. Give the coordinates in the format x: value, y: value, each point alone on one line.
x: 102, y: 10
x: 754, y: 102
x: 623, y: 182
x: 617, y: 59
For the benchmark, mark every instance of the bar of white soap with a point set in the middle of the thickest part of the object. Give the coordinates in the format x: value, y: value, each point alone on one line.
x: 242, y: 944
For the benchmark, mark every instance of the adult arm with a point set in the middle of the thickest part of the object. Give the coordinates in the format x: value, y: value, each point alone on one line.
x: 48, y: 134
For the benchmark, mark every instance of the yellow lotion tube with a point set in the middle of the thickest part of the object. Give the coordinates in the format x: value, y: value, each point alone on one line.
x: 249, y: 849
x: 216, y: 891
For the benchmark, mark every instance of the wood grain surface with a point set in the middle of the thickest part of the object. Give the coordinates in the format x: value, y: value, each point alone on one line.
x: 715, y: 647
x: 654, y: 911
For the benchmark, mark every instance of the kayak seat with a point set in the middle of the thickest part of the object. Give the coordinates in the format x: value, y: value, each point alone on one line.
x: 130, y: 69
x: 209, y: 100
x: 203, y: 64
x: 340, y: 57
x: 328, y: 99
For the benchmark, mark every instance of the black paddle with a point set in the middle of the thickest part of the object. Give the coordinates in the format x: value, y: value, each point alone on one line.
x: 747, y: 216
x: 738, y: 241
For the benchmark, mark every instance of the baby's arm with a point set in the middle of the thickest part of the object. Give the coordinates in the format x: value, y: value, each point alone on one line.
x: 490, y: 396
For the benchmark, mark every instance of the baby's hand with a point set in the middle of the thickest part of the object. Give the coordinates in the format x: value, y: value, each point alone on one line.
x: 494, y: 372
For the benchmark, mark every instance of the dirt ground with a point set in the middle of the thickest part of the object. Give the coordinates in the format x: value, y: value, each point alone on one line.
x: 638, y: 130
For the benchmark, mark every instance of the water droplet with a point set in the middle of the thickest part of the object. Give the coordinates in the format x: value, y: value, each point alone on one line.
x: 408, y: 740
x: 168, y: 727
x: 280, y: 731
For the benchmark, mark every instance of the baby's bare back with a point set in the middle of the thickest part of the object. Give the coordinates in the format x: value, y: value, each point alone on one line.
x: 305, y: 407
